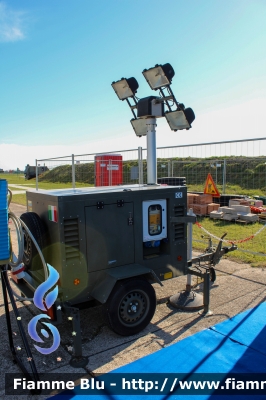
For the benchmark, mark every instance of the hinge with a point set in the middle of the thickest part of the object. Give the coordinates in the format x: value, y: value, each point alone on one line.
x: 120, y: 203
x: 100, y: 205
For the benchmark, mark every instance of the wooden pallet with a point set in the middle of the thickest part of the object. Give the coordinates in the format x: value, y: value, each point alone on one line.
x: 244, y: 222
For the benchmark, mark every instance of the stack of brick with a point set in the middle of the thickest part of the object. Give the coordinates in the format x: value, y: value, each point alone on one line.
x: 190, y: 200
x: 200, y: 209
x: 203, y: 199
x: 200, y: 205
x: 212, y: 207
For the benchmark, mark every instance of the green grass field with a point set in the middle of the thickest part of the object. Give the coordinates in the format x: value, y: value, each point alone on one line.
x: 20, y: 180
x: 236, y: 233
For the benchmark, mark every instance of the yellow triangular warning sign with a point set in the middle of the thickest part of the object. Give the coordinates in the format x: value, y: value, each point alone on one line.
x: 210, y: 187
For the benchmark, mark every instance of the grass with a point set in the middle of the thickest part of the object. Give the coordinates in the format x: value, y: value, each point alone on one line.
x: 19, y: 199
x: 235, y: 232
x: 14, y: 178
x: 58, y: 185
x: 230, y: 189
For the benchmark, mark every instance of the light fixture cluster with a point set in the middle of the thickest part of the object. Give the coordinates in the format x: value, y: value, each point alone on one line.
x: 158, y: 78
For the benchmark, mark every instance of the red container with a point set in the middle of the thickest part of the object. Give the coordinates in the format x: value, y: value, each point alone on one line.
x: 108, y: 170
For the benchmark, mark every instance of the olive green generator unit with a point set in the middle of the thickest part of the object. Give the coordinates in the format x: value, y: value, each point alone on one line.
x: 109, y: 244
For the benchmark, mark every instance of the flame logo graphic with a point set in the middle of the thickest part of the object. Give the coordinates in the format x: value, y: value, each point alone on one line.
x: 44, y: 304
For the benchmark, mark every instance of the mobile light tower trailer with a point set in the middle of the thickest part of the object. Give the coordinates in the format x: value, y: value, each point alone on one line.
x: 110, y: 244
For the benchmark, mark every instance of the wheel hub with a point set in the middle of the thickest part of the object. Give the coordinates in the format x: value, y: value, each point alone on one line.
x: 133, y: 307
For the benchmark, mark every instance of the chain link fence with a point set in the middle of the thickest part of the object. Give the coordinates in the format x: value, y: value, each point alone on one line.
x: 237, y: 168
x: 238, y: 163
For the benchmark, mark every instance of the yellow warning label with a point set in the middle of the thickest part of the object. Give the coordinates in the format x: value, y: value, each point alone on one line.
x: 210, y: 187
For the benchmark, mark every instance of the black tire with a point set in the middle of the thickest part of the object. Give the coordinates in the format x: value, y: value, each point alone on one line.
x: 130, y: 307
x: 31, y: 258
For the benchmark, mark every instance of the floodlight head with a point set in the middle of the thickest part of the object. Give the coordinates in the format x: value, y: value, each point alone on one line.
x: 125, y: 88
x: 140, y: 127
x: 159, y: 76
x: 180, y: 119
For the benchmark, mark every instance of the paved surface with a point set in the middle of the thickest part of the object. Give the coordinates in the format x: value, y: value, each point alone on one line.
x: 22, y: 188
x: 237, y: 288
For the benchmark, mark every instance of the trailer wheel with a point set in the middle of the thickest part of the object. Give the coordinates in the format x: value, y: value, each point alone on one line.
x: 31, y: 258
x: 131, y: 306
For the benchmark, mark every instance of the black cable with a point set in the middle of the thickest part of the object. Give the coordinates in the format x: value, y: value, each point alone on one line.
x: 7, y: 290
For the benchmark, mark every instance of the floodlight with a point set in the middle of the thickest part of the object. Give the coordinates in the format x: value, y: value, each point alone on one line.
x: 180, y: 119
x: 159, y: 76
x: 139, y: 126
x: 125, y: 88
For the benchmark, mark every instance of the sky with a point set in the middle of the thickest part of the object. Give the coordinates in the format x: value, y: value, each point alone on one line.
x: 59, y: 58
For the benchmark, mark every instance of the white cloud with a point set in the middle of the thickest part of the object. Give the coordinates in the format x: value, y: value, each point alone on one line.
x: 12, y: 24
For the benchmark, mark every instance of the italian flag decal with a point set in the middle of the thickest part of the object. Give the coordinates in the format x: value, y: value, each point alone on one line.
x: 52, y: 213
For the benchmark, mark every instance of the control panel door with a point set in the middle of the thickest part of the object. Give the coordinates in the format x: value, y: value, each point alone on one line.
x: 109, y: 236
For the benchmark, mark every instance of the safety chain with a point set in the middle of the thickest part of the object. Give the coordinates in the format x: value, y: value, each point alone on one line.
x: 231, y: 241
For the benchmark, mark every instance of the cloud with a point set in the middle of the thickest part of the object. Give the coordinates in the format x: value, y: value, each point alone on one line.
x: 12, y: 24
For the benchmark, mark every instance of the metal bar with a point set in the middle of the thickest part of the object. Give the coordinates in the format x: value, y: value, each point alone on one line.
x: 209, y: 143
x: 56, y: 158
x: 110, y: 173
x: 7, y: 289
x: 8, y: 322
x: 166, y: 98
x: 151, y: 151
x: 74, y: 316
x: 73, y: 172
x: 224, y: 177
x: 206, y: 292
x: 169, y: 168
x: 77, y: 338
x: 36, y: 168
x: 189, y: 246
x: 159, y: 148
x: 140, y: 163
x: 132, y: 108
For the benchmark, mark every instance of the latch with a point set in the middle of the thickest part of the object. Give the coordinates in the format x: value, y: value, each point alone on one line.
x: 100, y: 205
x: 130, y: 219
x: 120, y: 203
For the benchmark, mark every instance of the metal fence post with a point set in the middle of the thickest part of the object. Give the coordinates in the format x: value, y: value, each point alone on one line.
x: 140, y: 162
x: 73, y: 172
x: 36, y: 168
x: 189, y: 246
x: 169, y: 168
x: 110, y: 172
x: 224, y: 177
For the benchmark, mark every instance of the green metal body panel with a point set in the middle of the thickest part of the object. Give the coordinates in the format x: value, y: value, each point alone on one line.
x: 96, y: 237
